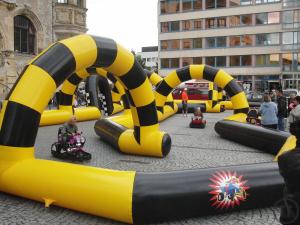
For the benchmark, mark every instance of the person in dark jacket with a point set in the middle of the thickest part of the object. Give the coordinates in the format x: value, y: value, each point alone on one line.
x: 282, y: 109
x: 289, y: 167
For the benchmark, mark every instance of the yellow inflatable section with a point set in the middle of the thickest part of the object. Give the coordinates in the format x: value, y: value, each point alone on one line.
x: 97, y: 191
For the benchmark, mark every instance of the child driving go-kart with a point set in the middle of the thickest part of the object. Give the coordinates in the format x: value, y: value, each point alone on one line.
x: 197, y: 119
x: 70, y: 143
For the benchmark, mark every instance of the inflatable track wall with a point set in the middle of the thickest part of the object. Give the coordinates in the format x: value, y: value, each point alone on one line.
x: 221, y: 78
x: 125, y: 196
x: 63, y: 114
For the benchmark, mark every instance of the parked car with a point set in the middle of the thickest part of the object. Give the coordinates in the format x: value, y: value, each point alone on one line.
x: 193, y: 93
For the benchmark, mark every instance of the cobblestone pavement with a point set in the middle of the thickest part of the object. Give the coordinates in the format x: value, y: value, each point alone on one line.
x: 191, y: 148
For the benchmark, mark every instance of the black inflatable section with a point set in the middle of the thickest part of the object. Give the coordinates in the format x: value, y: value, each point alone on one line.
x: 96, y: 85
x: 267, y: 140
x: 159, y: 197
x: 109, y: 131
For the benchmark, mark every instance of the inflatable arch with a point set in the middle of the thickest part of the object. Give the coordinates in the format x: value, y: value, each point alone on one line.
x: 125, y: 196
x: 219, y: 77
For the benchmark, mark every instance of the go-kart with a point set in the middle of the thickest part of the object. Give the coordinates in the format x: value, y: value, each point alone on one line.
x: 197, y: 122
x: 253, y: 117
x: 230, y: 190
x: 70, y: 147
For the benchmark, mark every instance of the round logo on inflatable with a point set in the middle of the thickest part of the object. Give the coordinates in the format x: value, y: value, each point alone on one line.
x: 228, y: 189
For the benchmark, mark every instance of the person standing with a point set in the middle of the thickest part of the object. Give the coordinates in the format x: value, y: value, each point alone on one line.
x: 282, y: 109
x: 184, y: 98
x: 268, y: 110
x: 291, y: 102
x: 295, y: 112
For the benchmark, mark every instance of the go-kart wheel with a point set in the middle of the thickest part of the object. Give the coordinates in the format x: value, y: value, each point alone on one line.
x: 202, y: 125
x: 220, y: 197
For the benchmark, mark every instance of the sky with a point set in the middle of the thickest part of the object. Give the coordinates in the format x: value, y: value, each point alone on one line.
x: 132, y: 23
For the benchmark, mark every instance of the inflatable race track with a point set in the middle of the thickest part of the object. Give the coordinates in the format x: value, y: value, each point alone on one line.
x: 126, y: 196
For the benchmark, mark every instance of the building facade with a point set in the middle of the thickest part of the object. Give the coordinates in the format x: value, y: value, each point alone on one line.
x: 256, y: 41
x: 150, y: 56
x: 29, y: 26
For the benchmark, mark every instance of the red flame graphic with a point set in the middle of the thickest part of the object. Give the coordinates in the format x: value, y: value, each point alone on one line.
x: 229, y: 190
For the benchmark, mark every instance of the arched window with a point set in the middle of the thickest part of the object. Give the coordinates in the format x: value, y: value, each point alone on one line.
x: 24, y: 35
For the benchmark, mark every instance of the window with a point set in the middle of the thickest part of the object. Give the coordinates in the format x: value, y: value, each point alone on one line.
x: 235, y: 41
x: 164, y: 45
x: 234, y: 21
x: 169, y: 6
x: 235, y: 60
x: 186, y: 5
x: 174, y: 63
x: 169, y: 63
x: 246, y: 60
x: 79, y: 3
x: 267, y: 18
x: 24, y: 35
x: 191, y: 5
x: 174, y: 26
x: 187, y: 43
x: 291, y: 3
x: 198, y: 60
x: 287, y: 62
x: 197, y: 4
x: 220, y: 61
x: 213, y: 4
x: 240, y: 2
x: 186, y: 25
x: 62, y: 1
x: 267, y: 60
x: 170, y: 45
x: 164, y: 63
x: 266, y: 1
x: 211, y: 61
x: 246, y: 20
x: 175, y: 44
x: 217, y: 22
x: 241, y: 60
x: 216, y: 61
x: 244, y: 40
x: 197, y: 43
x: 243, y: 20
x: 164, y: 27
x: 216, y: 42
x: 291, y: 40
x: 267, y: 39
x: 197, y: 24
x: 187, y: 61
x: 288, y: 38
x: 291, y: 19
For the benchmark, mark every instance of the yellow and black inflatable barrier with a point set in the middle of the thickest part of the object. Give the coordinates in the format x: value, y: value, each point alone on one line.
x: 208, y: 73
x: 119, y: 98
x: 125, y: 196
x: 226, y: 104
x: 65, y: 108
x: 170, y: 108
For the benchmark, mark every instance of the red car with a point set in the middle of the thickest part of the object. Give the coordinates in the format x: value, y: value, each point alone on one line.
x: 195, y: 91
